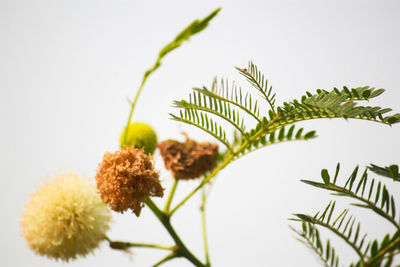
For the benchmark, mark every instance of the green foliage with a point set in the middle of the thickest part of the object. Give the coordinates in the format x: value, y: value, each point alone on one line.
x: 372, y: 195
x: 224, y: 104
x: 342, y: 225
x: 206, y: 107
x: 391, y: 172
x: 336, y: 104
x: 194, y: 28
x: 310, y: 236
x: 257, y: 80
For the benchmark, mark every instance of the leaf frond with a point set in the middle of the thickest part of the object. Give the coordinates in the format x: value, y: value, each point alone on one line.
x: 204, y: 123
x: 231, y: 104
x: 310, y: 236
x: 215, y: 107
x: 275, y: 137
x: 335, y: 104
x: 341, y: 225
x: 378, y: 199
x: 391, y: 171
x: 257, y: 80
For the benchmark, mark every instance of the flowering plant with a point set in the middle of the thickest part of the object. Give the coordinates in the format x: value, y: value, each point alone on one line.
x: 74, y: 218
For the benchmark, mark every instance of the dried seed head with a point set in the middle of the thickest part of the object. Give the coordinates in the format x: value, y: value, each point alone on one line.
x: 190, y: 159
x: 126, y: 178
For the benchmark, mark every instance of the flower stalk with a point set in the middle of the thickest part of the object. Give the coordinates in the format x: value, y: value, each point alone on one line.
x: 182, y: 250
x: 170, y: 196
x: 121, y: 245
x: 204, y: 226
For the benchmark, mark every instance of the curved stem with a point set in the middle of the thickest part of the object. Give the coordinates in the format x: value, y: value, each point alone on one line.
x: 171, y: 196
x: 181, y: 250
x: 193, y: 28
x: 133, y: 107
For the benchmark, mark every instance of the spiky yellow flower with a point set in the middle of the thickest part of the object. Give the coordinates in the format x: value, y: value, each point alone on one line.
x: 126, y: 178
x: 65, y: 218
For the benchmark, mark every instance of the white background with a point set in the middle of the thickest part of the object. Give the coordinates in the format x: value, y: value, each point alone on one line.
x: 67, y: 68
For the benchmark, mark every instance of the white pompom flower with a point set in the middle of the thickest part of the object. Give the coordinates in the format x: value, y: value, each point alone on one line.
x: 65, y: 218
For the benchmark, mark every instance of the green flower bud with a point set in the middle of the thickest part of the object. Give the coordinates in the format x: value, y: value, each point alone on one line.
x: 139, y: 135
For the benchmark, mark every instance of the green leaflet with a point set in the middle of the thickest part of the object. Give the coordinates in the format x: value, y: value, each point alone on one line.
x: 205, y: 108
x: 370, y: 253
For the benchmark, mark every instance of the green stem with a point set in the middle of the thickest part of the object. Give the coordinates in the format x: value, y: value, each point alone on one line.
x: 124, y: 245
x: 171, y: 196
x: 181, y: 250
x: 382, y: 253
x: 203, y: 222
x: 227, y: 160
x: 205, y: 181
x: 193, y: 28
x: 133, y: 107
x: 165, y: 259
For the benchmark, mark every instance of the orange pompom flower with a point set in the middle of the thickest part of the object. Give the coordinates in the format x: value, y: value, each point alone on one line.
x: 126, y: 178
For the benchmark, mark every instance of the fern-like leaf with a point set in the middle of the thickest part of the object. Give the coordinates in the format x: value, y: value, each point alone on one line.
x: 342, y: 225
x: 371, y: 195
x: 203, y: 122
x: 215, y: 107
x: 231, y: 104
x: 220, y: 91
x: 335, y: 104
x: 257, y: 80
x: 278, y: 136
x: 310, y: 236
x: 391, y: 171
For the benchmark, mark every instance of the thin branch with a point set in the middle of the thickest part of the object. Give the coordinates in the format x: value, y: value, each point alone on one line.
x: 227, y: 160
x: 194, y: 28
x: 382, y: 253
x: 181, y: 250
x: 171, y: 196
x: 165, y: 259
x: 121, y: 245
x: 204, y: 228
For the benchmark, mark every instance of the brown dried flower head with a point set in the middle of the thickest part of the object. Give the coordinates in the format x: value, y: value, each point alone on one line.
x: 126, y: 178
x: 190, y: 159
